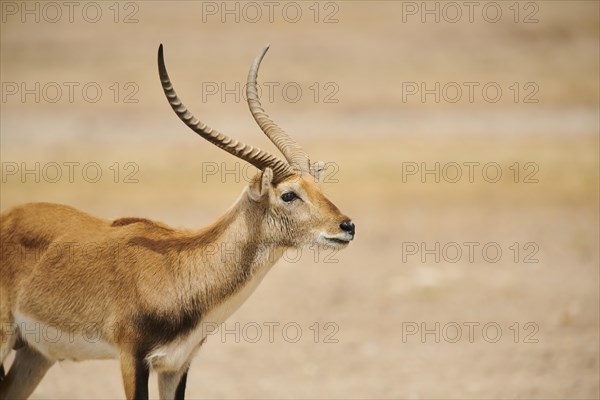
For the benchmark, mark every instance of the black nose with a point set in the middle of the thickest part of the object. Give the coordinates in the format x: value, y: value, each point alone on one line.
x: 348, y: 226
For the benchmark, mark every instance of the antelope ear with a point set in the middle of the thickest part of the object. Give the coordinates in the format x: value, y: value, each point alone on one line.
x: 266, y: 181
x: 317, y: 170
x: 262, y: 187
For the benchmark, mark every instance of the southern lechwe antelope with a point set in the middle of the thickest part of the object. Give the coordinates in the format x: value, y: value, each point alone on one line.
x: 149, y: 291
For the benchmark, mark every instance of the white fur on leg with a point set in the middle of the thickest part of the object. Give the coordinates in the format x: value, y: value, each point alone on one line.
x: 168, y: 382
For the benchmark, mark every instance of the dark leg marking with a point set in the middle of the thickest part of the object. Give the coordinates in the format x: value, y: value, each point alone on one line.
x: 142, y: 371
x: 180, y: 392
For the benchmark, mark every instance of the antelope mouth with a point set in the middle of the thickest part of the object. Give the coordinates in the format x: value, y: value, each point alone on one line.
x: 337, y: 240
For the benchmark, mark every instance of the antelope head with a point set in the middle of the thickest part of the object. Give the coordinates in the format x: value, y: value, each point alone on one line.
x: 285, y: 199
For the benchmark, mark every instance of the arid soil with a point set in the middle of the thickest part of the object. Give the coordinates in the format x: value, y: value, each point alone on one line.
x: 475, y: 270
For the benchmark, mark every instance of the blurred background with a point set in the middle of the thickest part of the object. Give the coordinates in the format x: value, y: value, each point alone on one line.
x: 461, y: 138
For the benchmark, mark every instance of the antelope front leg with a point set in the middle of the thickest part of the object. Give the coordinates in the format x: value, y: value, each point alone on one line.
x: 171, y: 384
x: 135, y: 371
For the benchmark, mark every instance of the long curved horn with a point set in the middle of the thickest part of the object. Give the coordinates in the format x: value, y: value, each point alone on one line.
x: 293, y: 153
x: 255, y: 156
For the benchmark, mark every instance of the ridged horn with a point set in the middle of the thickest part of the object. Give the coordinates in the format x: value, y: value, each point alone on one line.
x: 255, y: 156
x: 292, y: 152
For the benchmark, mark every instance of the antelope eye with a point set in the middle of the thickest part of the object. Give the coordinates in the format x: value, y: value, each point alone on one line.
x: 289, y: 196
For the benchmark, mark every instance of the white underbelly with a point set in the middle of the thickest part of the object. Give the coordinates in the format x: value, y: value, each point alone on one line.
x: 77, y: 342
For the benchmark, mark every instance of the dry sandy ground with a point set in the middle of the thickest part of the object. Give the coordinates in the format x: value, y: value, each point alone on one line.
x: 376, y: 320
